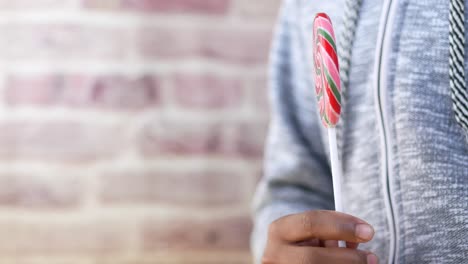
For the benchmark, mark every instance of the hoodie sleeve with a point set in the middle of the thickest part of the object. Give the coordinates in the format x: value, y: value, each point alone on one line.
x: 297, y: 175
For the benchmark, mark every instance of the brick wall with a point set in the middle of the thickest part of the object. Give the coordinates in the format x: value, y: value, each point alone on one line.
x: 131, y: 131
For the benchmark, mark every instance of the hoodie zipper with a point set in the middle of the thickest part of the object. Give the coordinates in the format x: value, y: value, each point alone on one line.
x: 381, y: 96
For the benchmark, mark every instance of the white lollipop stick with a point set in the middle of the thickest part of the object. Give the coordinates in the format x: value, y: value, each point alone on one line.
x: 336, y: 173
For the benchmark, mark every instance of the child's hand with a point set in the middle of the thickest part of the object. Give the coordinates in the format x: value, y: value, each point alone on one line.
x: 312, y: 237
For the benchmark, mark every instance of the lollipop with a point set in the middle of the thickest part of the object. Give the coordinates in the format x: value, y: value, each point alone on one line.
x: 328, y: 91
x: 327, y: 76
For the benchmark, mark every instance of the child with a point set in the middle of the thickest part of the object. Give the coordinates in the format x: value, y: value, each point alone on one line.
x: 404, y: 130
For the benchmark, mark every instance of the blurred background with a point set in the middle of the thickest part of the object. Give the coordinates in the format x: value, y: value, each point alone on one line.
x: 131, y: 131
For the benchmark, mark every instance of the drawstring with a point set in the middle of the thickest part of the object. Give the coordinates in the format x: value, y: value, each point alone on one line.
x: 458, y: 87
x: 346, y: 40
x: 457, y: 62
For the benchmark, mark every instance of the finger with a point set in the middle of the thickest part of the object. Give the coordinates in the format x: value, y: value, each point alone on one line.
x: 324, y: 225
x: 290, y: 254
x: 352, y: 245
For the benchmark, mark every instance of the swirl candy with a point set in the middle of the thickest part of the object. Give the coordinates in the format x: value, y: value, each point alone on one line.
x: 327, y: 77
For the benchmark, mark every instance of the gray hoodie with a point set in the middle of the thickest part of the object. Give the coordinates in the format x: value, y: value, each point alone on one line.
x: 403, y: 153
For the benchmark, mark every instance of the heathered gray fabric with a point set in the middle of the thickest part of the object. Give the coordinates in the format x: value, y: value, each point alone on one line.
x: 430, y: 154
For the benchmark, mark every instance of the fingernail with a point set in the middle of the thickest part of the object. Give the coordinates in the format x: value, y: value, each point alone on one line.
x: 364, y: 231
x: 372, y: 259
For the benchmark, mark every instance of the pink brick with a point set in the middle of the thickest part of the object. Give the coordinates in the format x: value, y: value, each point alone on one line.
x: 116, y: 92
x: 260, y: 95
x: 192, y: 234
x: 192, y: 188
x: 62, y: 42
x: 86, y: 238
x: 244, y: 140
x: 29, y: 190
x: 64, y: 141
x: 231, y: 45
x: 33, y: 90
x: 249, y: 140
x: 178, y: 43
x: 207, y: 91
x: 124, y: 92
x: 182, y: 138
x: 249, y: 46
x: 206, y: 7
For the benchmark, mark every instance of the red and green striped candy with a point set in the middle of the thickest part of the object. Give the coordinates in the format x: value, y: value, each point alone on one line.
x: 327, y: 75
